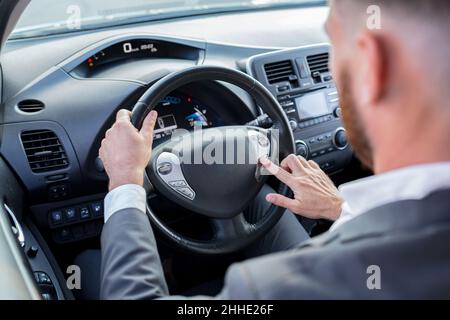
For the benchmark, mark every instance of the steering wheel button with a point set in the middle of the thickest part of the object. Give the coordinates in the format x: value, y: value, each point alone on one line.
x: 178, y: 184
x: 165, y: 168
x: 263, y: 141
x: 187, y: 192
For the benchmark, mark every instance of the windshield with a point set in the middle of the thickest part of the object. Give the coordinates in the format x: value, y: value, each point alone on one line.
x: 44, y: 17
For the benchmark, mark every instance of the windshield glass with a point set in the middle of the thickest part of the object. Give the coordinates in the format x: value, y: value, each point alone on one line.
x: 44, y: 17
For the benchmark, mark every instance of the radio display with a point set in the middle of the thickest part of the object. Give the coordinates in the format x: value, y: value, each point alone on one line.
x: 312, y: 105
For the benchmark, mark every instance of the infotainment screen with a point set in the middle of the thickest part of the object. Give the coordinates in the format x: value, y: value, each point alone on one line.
x: 312, y: 105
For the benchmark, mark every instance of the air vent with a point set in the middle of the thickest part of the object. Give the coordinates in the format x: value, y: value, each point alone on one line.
x: 44, y: 151
x: 318, y: 64
x: 30, y: 106
x: 281, y: 71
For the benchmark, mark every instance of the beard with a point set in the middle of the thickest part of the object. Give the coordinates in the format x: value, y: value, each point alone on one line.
x: 353, y: 123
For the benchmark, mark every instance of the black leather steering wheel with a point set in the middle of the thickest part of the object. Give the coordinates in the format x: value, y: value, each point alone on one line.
x: 218, y: 191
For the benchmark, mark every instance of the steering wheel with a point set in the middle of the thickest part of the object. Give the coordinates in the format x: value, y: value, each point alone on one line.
x: 218, y: 191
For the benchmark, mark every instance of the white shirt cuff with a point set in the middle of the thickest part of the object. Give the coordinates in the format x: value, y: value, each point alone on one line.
x: 129, y: 196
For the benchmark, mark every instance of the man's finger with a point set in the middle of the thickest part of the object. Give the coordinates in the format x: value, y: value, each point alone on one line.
x: 304, y: 162
x: 313, y: 164
x: 278, y: 172
x: 281, y: 201
x: 123, y: 115
x: 285, y: 166
x: 149, y: 125
x: 294, y: 165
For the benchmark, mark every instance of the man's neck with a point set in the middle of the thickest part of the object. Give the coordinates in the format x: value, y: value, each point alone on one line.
x: 421, y: 136
x: 422, y: 151
x: 399, y: 165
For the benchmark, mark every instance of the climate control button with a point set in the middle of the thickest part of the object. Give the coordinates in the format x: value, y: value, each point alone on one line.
x: 340, y: 140
x: 301, y: 148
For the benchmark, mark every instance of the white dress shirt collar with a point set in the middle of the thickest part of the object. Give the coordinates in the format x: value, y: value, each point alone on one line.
x: 410, y: 183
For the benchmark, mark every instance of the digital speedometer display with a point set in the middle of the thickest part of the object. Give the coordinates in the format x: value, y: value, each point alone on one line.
x: 140, y: 49
x: 127, y: 49
x: 181, y: 111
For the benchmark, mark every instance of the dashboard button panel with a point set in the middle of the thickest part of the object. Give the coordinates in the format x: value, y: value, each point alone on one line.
x: 58, y: 192
x: 76, y: 222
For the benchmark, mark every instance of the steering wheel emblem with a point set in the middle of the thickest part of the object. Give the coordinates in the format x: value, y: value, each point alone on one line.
x: 165, y: 168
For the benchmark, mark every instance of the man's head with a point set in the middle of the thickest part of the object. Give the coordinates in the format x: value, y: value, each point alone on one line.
x: 390, y: 60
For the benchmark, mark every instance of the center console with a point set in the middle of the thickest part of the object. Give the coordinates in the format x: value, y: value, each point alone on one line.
x: 301, y: 81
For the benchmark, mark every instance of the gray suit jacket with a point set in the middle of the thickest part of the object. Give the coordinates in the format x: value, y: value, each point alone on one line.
x: 400, y: 250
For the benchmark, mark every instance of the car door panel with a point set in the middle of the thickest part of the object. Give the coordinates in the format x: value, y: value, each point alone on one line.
x: 17, y: 281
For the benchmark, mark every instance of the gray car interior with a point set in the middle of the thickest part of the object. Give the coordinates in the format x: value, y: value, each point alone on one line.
x: 59, y: 94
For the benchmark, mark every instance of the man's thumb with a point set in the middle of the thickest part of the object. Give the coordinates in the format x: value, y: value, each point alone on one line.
x: 148, y: 125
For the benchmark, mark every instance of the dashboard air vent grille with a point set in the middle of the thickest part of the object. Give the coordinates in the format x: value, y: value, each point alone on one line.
x: 318, y: 63
x: 30, y: 106
x: 44, y: 151
x: 280, y: 71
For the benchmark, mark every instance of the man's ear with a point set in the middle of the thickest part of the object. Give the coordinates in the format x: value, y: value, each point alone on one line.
x: 371, y: 66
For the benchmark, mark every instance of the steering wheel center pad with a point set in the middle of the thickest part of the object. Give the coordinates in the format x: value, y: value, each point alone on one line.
x: 213, y: 171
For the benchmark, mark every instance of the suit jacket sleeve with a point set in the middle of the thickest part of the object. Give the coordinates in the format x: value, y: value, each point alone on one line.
x: 131, y: 267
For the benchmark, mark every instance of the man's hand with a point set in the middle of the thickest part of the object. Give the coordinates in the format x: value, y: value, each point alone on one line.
x: 126, y: 151
x: 315, y: 195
